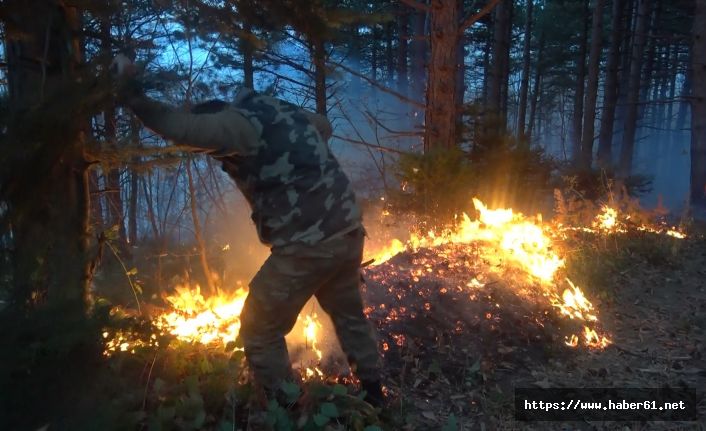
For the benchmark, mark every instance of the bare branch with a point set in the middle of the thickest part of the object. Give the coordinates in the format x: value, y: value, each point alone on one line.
x: 365, y: 144
x: 472, y: 19
x: 379, y: 86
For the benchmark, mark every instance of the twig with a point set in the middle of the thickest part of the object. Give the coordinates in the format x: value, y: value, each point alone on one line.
x: 132, y: 286
x: 149, y: 377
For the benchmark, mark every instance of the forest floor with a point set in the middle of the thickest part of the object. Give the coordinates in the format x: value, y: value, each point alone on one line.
x: 463, y: 354
x: 459, y: 330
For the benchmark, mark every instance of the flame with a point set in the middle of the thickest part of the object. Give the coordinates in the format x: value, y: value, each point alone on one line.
x: 194, y: 318
x: 197, y: 319
x: 509, y: 238
x: 525, y: 243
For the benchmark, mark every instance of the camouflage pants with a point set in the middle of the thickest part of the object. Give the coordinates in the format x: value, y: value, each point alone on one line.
x: 287, y: 280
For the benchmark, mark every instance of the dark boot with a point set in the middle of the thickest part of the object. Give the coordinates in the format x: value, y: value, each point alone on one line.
x: 373, y: 393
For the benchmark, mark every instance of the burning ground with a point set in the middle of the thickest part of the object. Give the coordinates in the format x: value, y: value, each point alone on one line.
x: 500, y: 301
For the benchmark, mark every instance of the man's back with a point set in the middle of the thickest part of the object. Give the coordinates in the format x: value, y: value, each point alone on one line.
x: 295, y: 186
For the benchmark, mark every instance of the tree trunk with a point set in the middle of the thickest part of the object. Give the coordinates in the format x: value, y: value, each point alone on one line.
x: 698, y: 107
x: 402, y: 41
x: 624, y: 74
x: 652, y: 49
x: 247, y: 50
x: 626, y: 150
x: 389, y: 55
x: 673, y: 72
x: 536, y: 88
x: 663, y: 90
x: 610, y: 88
x: 418, y: 58
x: 318, y: 52
x: 134, y: 187
x: 497, y: 79
x: 48, y: 197
x: 440, y: 120
x: 524, y: 83
x: 577, y: 120
x: 685, y: 93
x: 594, y: 60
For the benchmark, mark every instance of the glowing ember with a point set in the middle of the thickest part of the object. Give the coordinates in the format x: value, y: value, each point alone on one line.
x: 523, y: 243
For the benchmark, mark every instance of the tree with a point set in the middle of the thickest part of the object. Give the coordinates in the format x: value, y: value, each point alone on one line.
x: 633, y: 95
x: 610, y: 87
x: 698, y: 107
x: 594, y: 59
x: 577, y: 119
x: 46, y: 188
x: 524, y: 84
x: 442, y: 105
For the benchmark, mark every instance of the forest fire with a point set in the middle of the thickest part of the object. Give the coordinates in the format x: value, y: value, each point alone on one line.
x: 525, y: 244
x: 501, y: 238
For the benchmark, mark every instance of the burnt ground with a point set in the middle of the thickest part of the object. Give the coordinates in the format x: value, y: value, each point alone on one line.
x: 455, y: 349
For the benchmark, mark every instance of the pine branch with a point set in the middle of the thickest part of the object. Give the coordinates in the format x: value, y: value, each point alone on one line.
x: 472, y: 19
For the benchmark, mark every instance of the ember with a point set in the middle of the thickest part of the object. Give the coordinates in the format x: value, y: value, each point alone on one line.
x: 500, y: 245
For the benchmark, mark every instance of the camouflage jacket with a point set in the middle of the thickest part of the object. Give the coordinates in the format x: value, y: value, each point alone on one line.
x: 276, y: 154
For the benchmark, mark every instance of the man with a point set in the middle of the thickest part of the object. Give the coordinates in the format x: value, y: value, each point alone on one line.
x: 303, y: 208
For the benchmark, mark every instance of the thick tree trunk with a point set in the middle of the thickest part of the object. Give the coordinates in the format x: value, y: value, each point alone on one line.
x: 628, y: 144
x: 577, y: 119
x: 594, y: 60
x: 440, y: 120
x: 610, y: 88
x: 524, y: 83
x: 698, y: 107
x: 49, y: 195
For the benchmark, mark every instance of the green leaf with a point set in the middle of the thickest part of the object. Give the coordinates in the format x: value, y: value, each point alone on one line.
x: 166, y: 413
x: 205, y: 366
x: 192, y: 385
x: 435, y: 368
x: 340, y: 390
x: 200, y: 419
x: 321, y: 420
x: 475, y: 367
x: 451, y: 424
x: 291, y: 391
x: 329, y: 410
x: 372, y: 428
x: 158, y: 385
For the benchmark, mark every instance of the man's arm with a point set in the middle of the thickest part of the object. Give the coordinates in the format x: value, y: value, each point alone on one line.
x: 222, y: 133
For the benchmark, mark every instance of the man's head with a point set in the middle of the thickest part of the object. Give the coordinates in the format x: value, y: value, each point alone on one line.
x: 209, y: 107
